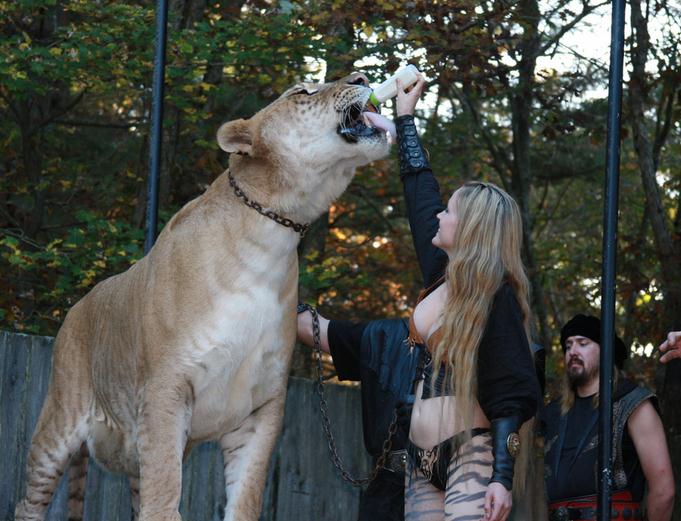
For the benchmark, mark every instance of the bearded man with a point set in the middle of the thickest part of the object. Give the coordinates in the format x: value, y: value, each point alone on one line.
x: 641, y: 463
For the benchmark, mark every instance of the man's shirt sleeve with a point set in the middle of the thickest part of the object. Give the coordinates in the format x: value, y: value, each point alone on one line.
x: 344, y: 344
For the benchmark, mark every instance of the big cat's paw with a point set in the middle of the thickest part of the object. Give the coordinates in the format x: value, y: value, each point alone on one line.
x: 173, y: 515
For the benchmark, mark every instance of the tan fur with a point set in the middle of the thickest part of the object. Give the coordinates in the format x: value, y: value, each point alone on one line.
x: 194, y: 341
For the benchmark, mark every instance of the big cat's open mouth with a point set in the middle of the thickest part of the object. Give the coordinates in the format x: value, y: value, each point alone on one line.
x: 364, y: 122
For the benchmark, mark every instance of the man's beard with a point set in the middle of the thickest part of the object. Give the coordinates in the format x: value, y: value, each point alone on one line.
x: 579, y: 375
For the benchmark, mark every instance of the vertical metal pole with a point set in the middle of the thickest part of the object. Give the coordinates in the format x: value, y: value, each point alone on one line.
x: 609, y: 259
x: 156, y: 124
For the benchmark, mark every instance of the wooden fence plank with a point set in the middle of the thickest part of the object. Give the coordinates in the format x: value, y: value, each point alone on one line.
x: 25, y: 363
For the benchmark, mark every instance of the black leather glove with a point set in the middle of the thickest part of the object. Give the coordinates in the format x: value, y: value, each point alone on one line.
x: 505, y: 448
x: 412, y: 156
x: 403, y: 409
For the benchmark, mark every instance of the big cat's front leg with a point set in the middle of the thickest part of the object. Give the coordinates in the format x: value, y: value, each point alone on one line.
x: 163, y: 423
x: 246, y: 452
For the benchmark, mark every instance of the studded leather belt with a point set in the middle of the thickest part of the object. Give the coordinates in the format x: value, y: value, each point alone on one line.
x: 584, y: 508
x: 396, y: 461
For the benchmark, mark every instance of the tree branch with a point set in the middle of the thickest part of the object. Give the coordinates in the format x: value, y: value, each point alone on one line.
x: 540, y: 231
x: 96, y: 124
x: 11, y: 105
x: 556, y: 37
x: 502, y: 163
x: 662, y: 130
x: 57, y: 114
x: 359, y: 191
x: 22, y: 237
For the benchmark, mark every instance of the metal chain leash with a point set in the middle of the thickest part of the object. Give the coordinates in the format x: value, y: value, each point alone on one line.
x: 284, y: 221
x: 326, y: 422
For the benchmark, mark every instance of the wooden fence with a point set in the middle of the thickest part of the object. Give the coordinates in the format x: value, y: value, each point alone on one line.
x: 302, y: 482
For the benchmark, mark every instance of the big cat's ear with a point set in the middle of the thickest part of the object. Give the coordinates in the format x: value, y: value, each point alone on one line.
x: 235, y: 137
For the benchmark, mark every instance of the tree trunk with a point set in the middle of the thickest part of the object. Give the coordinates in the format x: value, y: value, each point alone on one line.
x: 521, y: 182
x: 31, y: 159
x: 521, y: 172
x: 637, y: 280
x: 666, y: 239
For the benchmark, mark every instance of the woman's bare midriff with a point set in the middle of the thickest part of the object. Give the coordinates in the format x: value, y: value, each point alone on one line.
x: 434, y: 420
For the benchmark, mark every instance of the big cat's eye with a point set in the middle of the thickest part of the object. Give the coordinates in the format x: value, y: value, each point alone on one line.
x: 302, y: 91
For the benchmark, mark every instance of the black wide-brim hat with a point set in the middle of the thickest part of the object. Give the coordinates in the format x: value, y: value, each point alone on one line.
x: 590, y: 327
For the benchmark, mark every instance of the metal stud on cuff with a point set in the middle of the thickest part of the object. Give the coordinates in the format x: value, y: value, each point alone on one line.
x: 513, y: 444
x: 412, y: 155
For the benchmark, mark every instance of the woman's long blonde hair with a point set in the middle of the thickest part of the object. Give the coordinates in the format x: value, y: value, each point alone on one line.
x: 486, y: 252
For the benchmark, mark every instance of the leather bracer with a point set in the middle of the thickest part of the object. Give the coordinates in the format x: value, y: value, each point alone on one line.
x: 505, y: 448
x: 413, y: 157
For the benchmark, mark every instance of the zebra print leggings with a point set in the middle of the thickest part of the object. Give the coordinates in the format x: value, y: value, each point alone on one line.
x: 467, y: 479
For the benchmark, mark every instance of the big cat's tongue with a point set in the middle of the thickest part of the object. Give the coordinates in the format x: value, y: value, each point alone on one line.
x: 381, y: 122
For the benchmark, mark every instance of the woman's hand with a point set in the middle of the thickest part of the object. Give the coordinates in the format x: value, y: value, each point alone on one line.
x: 498, y: 502
x: 406, y: 101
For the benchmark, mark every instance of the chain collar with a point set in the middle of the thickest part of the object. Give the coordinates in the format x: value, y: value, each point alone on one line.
x: 284, y: 221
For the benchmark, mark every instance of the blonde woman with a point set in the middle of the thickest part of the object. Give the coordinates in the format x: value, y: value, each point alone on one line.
x: 478, y: 383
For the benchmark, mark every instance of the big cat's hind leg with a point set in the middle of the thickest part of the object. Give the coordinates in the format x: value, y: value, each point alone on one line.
x: 60, y: 431
x: 77, y: 479
x: 57, y: 437
x: 135, y: 497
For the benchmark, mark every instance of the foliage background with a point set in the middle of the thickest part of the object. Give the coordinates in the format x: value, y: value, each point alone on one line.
x: 75, y: 87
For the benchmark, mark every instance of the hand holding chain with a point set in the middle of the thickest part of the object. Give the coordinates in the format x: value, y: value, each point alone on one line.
x: 326, y: 422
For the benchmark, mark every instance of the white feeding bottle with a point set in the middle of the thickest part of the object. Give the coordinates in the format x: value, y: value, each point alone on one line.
x: 388, y: 89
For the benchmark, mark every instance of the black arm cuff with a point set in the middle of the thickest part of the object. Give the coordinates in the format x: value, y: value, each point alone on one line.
x: 505, y: 447
x: 413, y: 157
